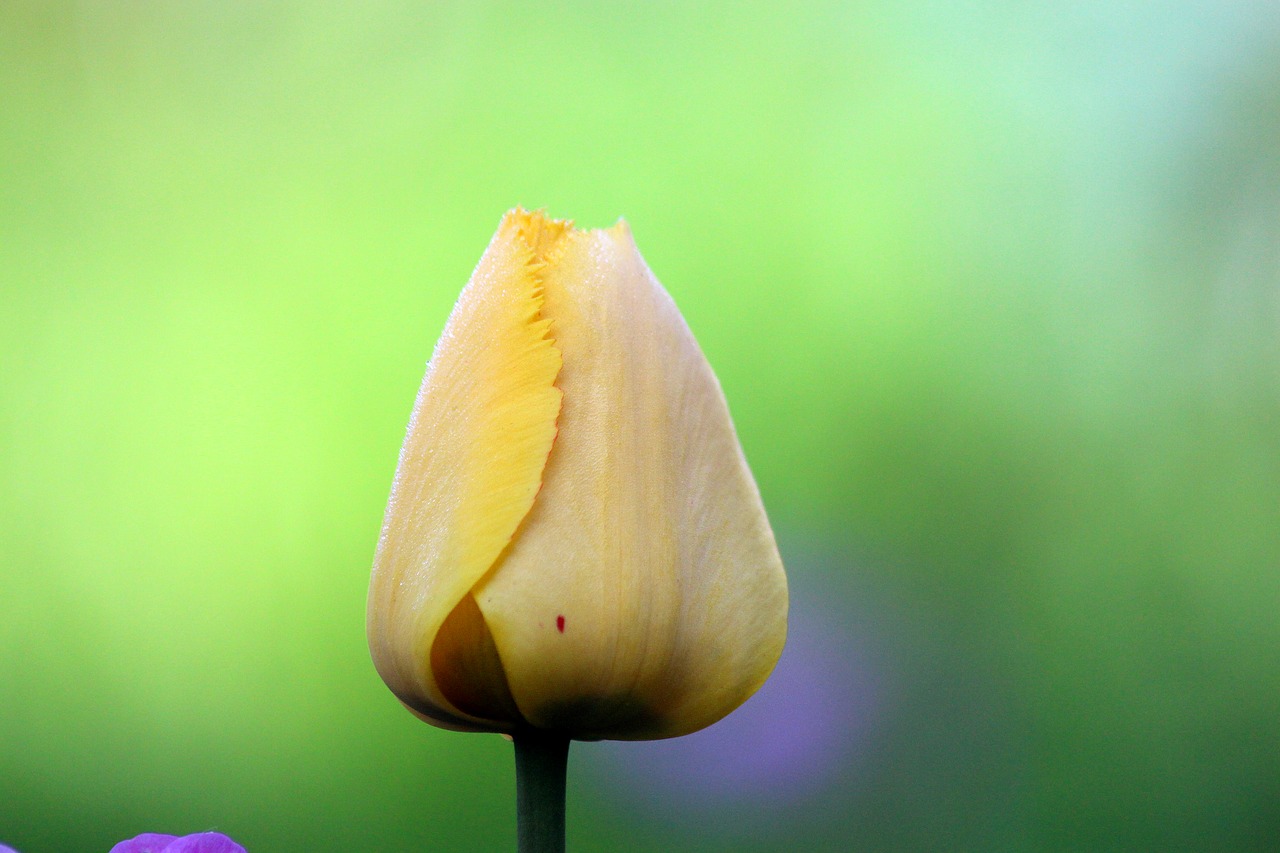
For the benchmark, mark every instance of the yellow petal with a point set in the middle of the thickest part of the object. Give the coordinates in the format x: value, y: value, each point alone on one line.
x: 643, y: 596
x: 469, y: 470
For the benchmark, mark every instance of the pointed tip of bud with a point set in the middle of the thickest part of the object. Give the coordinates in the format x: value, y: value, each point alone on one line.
x: 539, y: 232
x: 543, y: 234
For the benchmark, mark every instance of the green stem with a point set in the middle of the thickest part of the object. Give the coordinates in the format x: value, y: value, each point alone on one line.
x: 541, y: 761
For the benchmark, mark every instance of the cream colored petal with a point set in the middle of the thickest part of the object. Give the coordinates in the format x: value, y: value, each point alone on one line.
x: 643, y: 596
x: 471, y: 464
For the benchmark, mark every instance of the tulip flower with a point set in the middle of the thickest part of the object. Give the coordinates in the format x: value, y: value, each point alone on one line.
x: 574, y: 545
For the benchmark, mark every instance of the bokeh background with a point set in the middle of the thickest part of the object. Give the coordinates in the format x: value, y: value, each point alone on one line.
x: 993, y: 289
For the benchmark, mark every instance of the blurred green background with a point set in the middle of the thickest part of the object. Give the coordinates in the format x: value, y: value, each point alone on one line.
x: 993, y: 290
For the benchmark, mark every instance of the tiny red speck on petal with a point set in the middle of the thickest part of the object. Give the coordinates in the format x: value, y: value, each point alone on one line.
x: 560, y: 624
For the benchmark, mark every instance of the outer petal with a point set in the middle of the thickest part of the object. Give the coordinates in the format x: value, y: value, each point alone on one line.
x: 153, y: 842
x: 147, y: 842
x: 204, y: 842
x: 644, y: 596
x: 472, y: 462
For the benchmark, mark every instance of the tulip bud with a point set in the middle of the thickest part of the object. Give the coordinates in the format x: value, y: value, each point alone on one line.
x: 574, y: 541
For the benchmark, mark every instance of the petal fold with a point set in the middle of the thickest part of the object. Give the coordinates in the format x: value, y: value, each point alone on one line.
x: 472, y: 462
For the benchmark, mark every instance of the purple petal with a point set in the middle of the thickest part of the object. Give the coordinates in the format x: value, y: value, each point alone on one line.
x: 147, y: 842
x: 200, y: 842
x: 204, y: 842
x: 6, y: 849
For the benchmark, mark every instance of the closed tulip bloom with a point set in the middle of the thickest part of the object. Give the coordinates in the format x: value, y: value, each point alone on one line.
x: 574, y: 542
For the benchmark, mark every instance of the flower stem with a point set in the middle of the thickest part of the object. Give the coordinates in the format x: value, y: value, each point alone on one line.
x: 541, y: 761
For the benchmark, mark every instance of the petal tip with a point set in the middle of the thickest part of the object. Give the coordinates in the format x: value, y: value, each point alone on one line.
x: 540, y: 234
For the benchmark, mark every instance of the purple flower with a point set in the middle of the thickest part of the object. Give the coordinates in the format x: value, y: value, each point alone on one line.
x: 200, y: 842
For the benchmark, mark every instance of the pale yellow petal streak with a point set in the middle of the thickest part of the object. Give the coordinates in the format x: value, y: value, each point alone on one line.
x: 471, y: 465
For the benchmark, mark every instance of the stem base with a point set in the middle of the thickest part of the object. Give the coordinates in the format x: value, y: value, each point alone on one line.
x: 542, y: 759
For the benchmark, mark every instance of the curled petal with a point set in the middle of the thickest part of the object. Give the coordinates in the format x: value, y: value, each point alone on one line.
x: 471, y: 464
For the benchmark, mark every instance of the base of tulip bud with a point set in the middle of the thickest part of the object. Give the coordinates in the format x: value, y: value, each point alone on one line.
x: 542, y: 758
